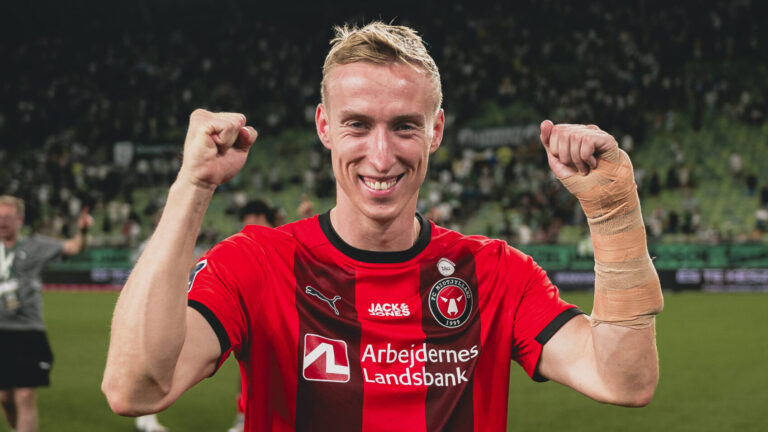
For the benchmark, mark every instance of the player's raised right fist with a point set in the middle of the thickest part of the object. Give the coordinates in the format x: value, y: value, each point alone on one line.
x: 216, y: 147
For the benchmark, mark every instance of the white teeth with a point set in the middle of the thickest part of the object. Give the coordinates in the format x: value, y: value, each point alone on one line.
x: 378, y: 185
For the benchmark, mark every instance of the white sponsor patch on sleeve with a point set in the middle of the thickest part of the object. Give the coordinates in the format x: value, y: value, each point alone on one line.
x: 193, y: 274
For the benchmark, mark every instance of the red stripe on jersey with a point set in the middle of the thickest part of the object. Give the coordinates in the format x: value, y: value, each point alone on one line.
x: 329, y: 389
x: 393, y: 377
x: 451, y: 322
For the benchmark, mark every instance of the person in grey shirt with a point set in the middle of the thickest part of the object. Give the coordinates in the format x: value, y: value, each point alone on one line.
x: 27, y: 358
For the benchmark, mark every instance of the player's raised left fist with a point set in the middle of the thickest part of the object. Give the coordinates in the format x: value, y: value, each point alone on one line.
x: 215, y: 148
x: 574, y: 149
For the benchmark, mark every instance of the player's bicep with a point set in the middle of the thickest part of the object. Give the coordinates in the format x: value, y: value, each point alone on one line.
x: 198, y: 358
x: 569, y: 358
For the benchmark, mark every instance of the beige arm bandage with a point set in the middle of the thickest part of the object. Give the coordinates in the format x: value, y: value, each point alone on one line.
x: 627, y: 288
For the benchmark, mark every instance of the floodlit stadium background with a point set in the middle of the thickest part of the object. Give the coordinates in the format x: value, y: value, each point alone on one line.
x: 94, y: 100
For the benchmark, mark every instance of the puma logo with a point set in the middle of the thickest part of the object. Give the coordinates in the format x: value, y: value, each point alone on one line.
x: 331, y: 302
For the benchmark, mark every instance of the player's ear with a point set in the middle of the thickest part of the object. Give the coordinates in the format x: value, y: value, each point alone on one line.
x: 437, y: 131
x: 321, y: 123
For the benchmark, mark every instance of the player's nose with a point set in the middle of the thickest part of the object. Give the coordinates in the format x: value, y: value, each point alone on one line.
x: 381, y: 152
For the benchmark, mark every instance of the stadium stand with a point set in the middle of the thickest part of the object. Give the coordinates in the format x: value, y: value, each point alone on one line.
x: 95, y: 98
x: 99, y: 121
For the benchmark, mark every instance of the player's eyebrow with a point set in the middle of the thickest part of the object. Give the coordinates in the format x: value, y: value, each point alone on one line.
x: 351, y: 114
x: 416, y: 118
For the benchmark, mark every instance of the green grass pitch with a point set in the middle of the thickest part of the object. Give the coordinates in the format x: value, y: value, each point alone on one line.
x: 714, y: 374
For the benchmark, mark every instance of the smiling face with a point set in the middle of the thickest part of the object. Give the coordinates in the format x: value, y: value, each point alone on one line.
x: 381, y: 125
x: 10, y: 222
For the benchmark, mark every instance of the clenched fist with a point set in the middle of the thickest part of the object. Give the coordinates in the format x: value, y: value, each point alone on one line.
x: 574, y: 149
x: 215, y: 148
x: 85, y: 220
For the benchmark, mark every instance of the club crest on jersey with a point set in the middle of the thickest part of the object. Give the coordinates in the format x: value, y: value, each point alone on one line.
x: 450, y: 301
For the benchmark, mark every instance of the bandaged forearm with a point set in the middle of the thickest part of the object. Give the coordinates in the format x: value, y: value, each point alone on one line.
x: 627, y: 288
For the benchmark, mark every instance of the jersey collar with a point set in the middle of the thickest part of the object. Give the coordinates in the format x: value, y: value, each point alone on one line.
x: 425, y: 233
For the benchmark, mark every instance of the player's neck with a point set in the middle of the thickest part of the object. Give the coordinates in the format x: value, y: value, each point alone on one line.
x: 365, y: 233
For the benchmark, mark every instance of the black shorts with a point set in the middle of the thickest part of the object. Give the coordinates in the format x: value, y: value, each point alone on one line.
x: 26, y: 359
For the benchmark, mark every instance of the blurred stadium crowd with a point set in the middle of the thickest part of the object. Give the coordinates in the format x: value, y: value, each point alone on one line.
x: 94, y: 109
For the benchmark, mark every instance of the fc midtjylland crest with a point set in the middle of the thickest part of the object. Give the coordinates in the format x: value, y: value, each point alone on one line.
x: 450, y: 301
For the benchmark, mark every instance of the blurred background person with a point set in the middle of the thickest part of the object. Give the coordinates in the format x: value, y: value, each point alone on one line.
x: 26, y: 359
x: 257, y: 212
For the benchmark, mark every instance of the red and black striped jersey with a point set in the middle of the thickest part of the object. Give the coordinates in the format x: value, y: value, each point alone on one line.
x: 330, y: 337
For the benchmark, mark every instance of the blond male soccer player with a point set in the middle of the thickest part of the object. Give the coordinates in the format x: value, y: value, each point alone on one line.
x: 369, y: 317
x: 25, y: 356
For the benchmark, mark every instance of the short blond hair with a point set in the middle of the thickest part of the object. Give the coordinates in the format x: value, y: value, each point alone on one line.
x: 381, y: 43
x: 16, y: 202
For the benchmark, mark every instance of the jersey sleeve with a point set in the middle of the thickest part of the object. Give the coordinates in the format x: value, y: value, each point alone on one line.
x: 540, y: 313
x: 216, y: 284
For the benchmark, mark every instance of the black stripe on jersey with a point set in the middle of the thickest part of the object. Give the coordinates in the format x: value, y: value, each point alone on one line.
x: 323, y: 405
x: 450, y: 408
x: 550, y: 330
x: 374, y: 256
x: 209, y: 316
